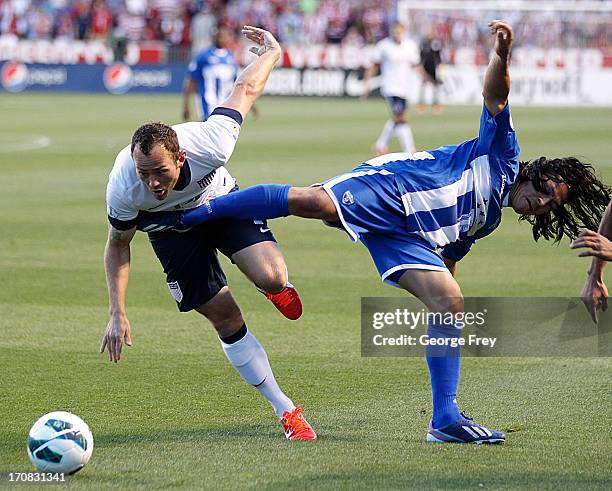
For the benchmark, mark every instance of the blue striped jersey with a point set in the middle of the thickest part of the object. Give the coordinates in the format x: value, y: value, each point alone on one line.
x: 214, y: 70
x: 453, y: 195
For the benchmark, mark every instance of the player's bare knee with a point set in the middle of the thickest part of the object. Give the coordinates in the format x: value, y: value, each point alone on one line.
x: 272, y: 280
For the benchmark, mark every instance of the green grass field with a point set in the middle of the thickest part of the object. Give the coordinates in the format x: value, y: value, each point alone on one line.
x: 173, y: 413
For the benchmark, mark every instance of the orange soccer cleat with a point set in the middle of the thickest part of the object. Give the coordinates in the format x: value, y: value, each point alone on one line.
x: 286, y: 301
x: 296, y: 427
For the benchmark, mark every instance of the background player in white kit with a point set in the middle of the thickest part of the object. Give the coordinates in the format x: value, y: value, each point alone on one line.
x: 397, y: 57
x: 173, y: 168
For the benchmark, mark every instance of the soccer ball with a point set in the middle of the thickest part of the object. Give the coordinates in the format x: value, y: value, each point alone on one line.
x: 60, y: 442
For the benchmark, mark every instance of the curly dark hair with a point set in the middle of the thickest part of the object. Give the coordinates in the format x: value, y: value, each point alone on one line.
x: 151, y: 133
x: 587, y: 201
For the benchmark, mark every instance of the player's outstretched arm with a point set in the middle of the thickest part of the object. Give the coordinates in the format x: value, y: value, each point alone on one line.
x: 497, y: 77
x: 594, y: 293
x: 251, y: 82
x: 598, y: 244
x: 117, y: 267
x: 367, y: 78
x: 189, y: 88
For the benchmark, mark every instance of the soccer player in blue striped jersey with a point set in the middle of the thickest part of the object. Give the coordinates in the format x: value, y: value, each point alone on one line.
x: 212, y: 72
x: 419, y: 214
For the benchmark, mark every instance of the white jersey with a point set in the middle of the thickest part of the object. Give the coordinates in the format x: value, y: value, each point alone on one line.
x: 396, y: 64
x: 208, y: 145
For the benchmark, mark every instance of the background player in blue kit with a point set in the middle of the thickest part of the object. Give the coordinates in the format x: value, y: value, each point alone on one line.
x: 212, y: 73
x: 418, y: 214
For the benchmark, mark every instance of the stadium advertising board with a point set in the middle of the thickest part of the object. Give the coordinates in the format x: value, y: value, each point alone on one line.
x: 461, y: 84
x: 117, y: 78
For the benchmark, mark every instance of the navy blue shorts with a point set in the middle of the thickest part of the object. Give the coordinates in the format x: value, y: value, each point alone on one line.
x: 397, y: 105
x: 193, y: 272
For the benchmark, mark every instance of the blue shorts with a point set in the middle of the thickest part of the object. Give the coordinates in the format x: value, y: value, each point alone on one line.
x: 371, y: 211
x: 397, y: 105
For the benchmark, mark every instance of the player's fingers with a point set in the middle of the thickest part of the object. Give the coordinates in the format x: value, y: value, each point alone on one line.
x: 587, y: 233
x: 588, y: 242
x: 115, y: 348
x: 579, y: 242
x: 593, y: 311
x: 103, y: 344
x: 604, y: 303
x: 588, y: 303
x: 256, y: 39
x: 253, y: 32
x: 586, y: 253
x: 253, y: 29
x: 254, y: 50
x: 128, y: 337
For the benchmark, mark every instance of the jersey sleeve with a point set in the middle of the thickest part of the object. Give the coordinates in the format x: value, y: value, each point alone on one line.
x: 496, y: 135
x: 121, y: 215
x: 213, y: 141
x: 458, y: 249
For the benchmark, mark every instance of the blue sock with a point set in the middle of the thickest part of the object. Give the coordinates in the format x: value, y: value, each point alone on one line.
x: 257, y: 203
x: 444, y: 363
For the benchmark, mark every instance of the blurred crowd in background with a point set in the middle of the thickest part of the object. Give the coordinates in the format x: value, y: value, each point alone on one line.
x: 187, y: 22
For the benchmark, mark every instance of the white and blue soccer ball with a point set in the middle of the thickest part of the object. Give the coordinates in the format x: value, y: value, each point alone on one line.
x: 60, y: 442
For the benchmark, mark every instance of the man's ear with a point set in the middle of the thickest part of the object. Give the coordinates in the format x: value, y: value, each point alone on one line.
x: 182, y: 157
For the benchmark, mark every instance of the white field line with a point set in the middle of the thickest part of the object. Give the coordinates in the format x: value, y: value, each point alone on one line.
x: 17, y: 142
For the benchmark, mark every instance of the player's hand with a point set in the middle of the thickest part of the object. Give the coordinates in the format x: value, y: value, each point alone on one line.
x: 596, y: 244
x: 594, y: 295
x: 118, y: 331
x: 503, y: 37
x: 264, y: 39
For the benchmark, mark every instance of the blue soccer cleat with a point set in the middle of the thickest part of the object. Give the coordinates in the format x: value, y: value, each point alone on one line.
x: 465, y: 430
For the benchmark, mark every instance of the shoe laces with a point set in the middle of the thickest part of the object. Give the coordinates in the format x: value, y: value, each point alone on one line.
x: 466, y: 416
x: 284, y: 297
x: 296, y: 420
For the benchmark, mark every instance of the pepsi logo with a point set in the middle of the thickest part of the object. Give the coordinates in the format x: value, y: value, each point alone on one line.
x: 14, y: 76
x: 118, y: 78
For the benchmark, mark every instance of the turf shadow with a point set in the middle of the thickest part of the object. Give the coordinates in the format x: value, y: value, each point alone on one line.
x: 185, y: 435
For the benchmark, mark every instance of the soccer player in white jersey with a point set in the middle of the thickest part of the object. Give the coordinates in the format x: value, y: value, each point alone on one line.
x: 396, y: 57
x: 418, y: 221
x: 169, y: 168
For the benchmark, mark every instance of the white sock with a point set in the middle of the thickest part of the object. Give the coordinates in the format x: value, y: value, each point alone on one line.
x: 250, y: 360
x: 404, y: 135
x: 385, y: 135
